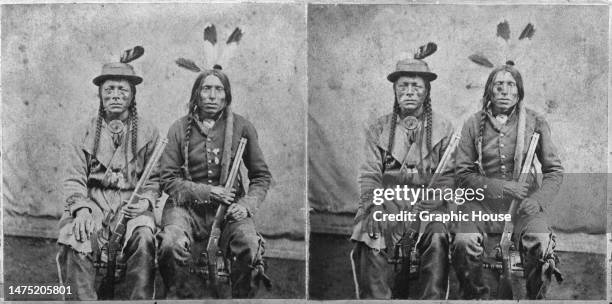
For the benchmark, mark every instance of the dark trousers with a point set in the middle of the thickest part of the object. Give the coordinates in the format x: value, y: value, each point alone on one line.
x: 375, y: 275
x: 532, y: 237
x: 183, y: 226
x: 139, y: 255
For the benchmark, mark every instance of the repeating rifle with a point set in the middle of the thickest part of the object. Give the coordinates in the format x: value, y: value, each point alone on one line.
x: 405, y: 252
x: 217, y: 265
x: 505, y: 250
x: 113, y: 248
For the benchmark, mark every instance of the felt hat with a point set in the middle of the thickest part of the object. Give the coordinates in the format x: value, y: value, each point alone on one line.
x: 412, y: 67
x: 117, y: 70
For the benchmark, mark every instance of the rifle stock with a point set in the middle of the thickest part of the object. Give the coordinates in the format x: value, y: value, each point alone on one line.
x: 106, y: 290
x: 504, y: 289
x: 218, y: 272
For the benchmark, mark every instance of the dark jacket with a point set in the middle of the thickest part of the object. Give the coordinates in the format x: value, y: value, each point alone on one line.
x: 498, y: 157
x: 205, y: 159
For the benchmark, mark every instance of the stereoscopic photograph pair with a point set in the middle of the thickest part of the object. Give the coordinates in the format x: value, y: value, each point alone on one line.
x: 304, y: 151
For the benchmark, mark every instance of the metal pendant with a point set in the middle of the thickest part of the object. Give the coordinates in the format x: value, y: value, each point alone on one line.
x: 410, y: 122
x: 116, y: 126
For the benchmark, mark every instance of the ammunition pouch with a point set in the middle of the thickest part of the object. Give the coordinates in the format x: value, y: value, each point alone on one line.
x: 101, y: 265
x: 405, y: 257
x: 201, y: 267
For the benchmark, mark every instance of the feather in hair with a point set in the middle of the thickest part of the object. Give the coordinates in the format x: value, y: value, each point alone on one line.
x: 527, y: 32
x: 481, y: 60
x: 188, y: 64
x: 131, y: 54
x: 210, y: 44
x: 230, y: 46
x: 425, y: 50
x: 503, y: 30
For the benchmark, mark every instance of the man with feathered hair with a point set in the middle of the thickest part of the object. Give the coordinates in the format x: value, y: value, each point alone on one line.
x: 105, y: 162
x: 490, y: 154
x: 403, y: 148
x: 200, y: 149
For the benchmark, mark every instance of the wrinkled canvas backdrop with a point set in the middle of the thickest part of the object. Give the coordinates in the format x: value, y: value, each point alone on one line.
x: 51, y: 53
x: 352, y: 49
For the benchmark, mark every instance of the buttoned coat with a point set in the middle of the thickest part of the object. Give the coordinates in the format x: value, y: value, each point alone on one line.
x: 206, y: 159
x: 499, y: 157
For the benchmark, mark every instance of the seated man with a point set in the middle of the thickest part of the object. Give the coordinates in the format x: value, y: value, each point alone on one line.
x: 403, y: 148
x: 105, y: 162
x: 195, y: 164
x: 493, y: 144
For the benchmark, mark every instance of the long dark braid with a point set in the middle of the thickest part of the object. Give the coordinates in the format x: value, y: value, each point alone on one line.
x: 428, y: 114
x: 134, y: 124
x: 193, y: 109
x: 98, y: 129
x: 133, y: 114
x: 488, y: 96
x: 192, y: 112
x: 396, y: 111
x: 428, y: 118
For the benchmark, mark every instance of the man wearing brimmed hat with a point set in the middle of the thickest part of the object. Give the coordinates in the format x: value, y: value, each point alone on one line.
x: 105, y: 162
x: 494, y: 143
x: 403, y: 148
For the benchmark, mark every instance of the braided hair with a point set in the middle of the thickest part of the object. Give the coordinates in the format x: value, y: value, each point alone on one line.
x: 193, y: 108
x: 98, y: 128
x: 133, y: 114
x: 488, y: 96
x: 426, y: 111
x: 134, y: 123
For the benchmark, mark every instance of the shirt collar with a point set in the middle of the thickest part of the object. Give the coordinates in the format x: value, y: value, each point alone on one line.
x: 206, y: 125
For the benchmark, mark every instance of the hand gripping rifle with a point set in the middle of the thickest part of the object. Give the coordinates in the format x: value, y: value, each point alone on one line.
x: 218, y: 266
x: 405, y: 252
x: 115, y: 241
x: 506, y: 251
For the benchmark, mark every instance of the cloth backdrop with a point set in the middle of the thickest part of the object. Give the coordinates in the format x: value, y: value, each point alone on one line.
x: 51, y: 53
x: 352, y: 48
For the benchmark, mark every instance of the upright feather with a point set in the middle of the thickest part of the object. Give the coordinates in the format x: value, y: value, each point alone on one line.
x: 235, y: 36
x: 503, y: 30
x: 481, y: 60
x: 425, y: 50
x: 188, y: 64
x: 527, y: 32
x: 132, y: 54
x: 210, y: 44
x: 230, y: 46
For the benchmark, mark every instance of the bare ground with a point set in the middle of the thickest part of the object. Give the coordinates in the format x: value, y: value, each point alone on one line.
x: 31, y: 261
x: 330, y: 276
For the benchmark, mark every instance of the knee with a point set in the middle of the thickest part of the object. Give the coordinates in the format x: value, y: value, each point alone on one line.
x: 535, y: 244
x: 436, y: 228
x: 436, y: 236
x: 173, y: 243
x: 245, y: 242
x: 468, y: 242
x: 142, y: 237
